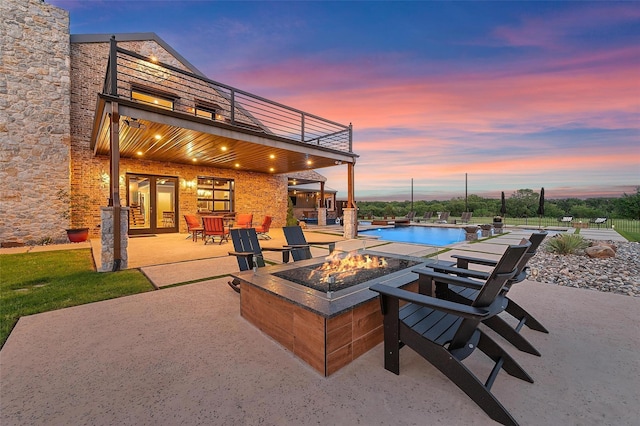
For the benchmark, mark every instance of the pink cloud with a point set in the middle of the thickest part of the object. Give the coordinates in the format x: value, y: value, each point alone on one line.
x: 551, y: 30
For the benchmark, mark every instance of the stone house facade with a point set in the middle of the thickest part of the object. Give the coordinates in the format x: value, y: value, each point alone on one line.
x: 35, y: 126
x: 50, y: 154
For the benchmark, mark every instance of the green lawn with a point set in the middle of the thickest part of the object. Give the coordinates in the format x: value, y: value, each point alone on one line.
x: 631, y: 236
x: 32, y: 283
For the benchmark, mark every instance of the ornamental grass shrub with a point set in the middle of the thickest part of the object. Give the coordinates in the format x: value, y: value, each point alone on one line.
x: 566, y: 244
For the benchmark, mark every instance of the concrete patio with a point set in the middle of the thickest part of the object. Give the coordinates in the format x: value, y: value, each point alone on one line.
x: 184, y: 355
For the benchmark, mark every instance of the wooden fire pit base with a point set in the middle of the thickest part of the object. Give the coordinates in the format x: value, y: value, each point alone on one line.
x: 326, y: 344
x: 326, y: 331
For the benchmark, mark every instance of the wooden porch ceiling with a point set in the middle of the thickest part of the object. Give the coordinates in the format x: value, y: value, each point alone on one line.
x: 164, y: 136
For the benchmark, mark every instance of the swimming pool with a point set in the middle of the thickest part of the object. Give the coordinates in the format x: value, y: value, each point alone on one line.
x: 418, y: 235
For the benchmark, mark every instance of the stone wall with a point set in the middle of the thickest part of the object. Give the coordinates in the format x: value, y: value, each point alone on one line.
x: 34, y: 124
x: 50, y: 88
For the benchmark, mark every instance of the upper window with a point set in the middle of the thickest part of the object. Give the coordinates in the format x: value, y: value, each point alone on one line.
x: 152, y: 99
x: 208, y: 110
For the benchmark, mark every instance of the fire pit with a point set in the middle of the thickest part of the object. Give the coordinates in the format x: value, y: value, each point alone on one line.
x: 339, y: 272
x: 326, y: 321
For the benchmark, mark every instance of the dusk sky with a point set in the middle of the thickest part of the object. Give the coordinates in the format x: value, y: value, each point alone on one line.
x: 515, y: 94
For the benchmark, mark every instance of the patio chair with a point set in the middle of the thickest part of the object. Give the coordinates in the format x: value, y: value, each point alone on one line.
x: 194, y: 227
x: 444, y: 216
x: 565, y: 219
x: 248, y: 252
x: 300, y: 247
x: 466, y: 217
x: 411, y: 215
x: 598, y: 221
x: 214, y: 227
x: 263, y: 230
x: 466, y: 294
x: 426, y: 216
x: 445, y: 333
x: 244, y: 220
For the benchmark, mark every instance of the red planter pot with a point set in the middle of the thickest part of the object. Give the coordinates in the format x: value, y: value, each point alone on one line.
x: 78, y: 235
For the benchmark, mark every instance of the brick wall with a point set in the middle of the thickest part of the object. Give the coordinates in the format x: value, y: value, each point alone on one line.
x: 255, y: 193
x: 51, y: 91
x: 34, y: 124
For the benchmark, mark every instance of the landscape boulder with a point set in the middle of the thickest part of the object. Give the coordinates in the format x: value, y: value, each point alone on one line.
x: 605, y: 244
x: 600, y: 252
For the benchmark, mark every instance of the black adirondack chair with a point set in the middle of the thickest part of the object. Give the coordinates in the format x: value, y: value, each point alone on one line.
x: 300, y: 247
x: 466, y: 294
x: 248, y: 252
x: 445, y: 333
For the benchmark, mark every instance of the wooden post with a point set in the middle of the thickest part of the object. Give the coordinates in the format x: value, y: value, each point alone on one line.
x: 114, y: 183
x: 350, y: 218
x: 351, y: 203
x: 114, y: 158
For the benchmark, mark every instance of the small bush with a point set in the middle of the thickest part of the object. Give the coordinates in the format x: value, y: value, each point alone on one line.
x: 291, y: 219
x: 566, y: 244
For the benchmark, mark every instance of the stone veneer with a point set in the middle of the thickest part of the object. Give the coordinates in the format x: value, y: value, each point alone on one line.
x: 34, y: 124
x: 107, y: 239
x: 51, y: 88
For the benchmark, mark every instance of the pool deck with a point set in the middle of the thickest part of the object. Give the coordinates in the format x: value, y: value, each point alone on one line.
x: 184, y: 355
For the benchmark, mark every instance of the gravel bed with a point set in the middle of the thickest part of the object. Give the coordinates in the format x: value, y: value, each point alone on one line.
x: 620, y: 275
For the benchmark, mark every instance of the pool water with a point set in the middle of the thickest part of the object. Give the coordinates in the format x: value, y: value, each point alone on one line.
x: 418, y: 235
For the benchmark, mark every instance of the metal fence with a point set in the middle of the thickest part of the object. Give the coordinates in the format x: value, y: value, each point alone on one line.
x: 624, y: 225
x: 191, y: 94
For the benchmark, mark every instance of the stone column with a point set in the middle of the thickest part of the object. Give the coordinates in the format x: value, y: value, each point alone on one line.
x: 471, y: 233
x: 350, y: 223
x: 322, y: 216
x: 107, y: 255
x: 486, y: 230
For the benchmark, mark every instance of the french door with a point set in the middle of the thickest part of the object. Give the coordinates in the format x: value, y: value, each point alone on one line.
x: 153, y: 204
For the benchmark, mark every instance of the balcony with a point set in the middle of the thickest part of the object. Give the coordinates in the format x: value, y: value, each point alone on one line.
x: 171, y: 114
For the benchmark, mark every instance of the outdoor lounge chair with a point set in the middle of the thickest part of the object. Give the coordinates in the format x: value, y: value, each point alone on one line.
x: 244, y: 220
x: 248, y: 252
x: 410, y: 216
x: 426, y: 216
x: 466, y: 294
x: 263, y: 230
x: 445, y: 333
x: 300, y: 247
x: 214, y: 227
x: 194, y: 227
x: 466, y: 217
x: 565, y: 219
x: 444, y: 216
x: 598, y: 221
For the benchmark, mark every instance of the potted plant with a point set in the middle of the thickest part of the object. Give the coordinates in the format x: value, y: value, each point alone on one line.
x: 74, y: 212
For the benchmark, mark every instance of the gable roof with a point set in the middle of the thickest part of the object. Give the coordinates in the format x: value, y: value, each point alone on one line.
x: 105, y: 38
x: 306, y: 176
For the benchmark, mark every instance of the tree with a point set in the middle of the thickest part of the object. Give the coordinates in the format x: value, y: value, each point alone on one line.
x: 523, y: 203
x: 628, y: 207
x: 552, y: 210
x: 455, y: 206
x: 389, y: 210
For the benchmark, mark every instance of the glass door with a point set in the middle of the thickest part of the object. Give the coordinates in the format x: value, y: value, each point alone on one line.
x: 153, y: 204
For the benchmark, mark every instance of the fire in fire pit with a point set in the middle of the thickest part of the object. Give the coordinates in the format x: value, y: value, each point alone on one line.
x: 340, y: 272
